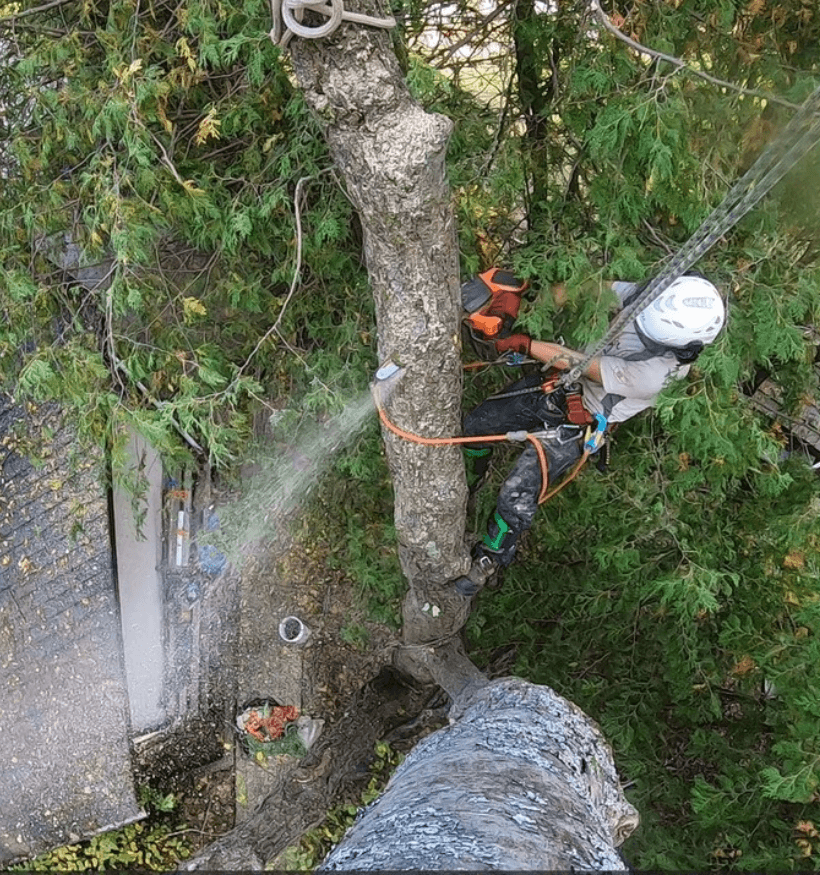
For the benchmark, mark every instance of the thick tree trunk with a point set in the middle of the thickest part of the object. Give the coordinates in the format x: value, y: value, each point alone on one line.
x: 521, y: 780
x: 391, y: 155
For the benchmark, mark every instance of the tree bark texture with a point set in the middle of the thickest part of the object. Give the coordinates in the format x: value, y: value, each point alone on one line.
x: 522, y: 779
x: 391, y: 154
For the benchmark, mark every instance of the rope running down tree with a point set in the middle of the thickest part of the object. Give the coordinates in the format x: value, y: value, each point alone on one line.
x: 545, y: 494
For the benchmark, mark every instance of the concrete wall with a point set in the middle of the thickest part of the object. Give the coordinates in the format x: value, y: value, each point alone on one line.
x: 140, y: 582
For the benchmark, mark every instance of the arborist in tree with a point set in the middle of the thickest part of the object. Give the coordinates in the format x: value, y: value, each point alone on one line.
x: 626, y: 378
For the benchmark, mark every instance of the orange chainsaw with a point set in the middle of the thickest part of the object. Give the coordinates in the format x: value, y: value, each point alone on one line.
x: 491, y: 301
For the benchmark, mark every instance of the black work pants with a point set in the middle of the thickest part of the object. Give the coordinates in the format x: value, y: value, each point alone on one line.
x: 544, y: 415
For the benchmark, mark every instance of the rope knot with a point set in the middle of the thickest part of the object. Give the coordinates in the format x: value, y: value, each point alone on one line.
x: 288, y: 14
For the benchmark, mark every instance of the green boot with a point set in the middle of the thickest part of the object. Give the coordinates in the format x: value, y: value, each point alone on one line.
x: 490, y: 557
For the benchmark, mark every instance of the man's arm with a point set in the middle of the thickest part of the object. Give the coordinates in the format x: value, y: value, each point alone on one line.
x: 563, y: 359
x: 552, y: 354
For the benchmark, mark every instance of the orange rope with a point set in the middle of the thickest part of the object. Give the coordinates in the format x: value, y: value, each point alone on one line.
x: 439, y: 441
x: 544, y: 494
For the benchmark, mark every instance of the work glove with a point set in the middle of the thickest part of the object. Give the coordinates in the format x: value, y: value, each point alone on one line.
x: 505, y: 305
x: 514, y: 343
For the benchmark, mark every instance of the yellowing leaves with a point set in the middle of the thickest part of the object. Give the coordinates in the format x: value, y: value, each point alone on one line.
x: 795, y: 560
x: 745, y: 665
x: 805, y: 834
x: 184, y: 52
x: 208, y: 128
x: 193, y: 307
x: 163, y: 117
x: 124, y: 74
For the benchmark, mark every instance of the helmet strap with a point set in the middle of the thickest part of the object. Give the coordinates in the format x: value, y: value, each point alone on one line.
x: 684, y: 354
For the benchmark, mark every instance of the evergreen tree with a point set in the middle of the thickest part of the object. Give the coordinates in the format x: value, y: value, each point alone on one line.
x: 674, y: 598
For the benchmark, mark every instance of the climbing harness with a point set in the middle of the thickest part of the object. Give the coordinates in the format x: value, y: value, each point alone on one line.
x: 799, y: 136
x: 570, y: 396
x: 576, y: 412
x: 287, y: 19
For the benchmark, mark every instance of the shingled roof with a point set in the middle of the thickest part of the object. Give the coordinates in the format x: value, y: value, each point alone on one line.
x: 66, y: 770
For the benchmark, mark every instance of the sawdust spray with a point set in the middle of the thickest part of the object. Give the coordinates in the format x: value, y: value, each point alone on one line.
x: 283, y: 474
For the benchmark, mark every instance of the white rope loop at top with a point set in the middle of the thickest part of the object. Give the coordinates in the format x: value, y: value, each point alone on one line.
x: 287, y: 19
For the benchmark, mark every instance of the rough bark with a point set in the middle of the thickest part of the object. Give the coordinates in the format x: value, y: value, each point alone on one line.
x: 521, y: 780
x: 391, y: 154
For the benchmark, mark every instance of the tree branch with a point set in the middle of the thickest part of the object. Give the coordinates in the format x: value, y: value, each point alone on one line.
x: 682, y: 65
x: 33, y: 11
x: 297, y: 276
x: 487, y: 19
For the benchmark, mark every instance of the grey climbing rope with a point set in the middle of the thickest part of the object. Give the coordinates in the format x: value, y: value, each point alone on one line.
x: 798, y: 137
x: 287, y: 19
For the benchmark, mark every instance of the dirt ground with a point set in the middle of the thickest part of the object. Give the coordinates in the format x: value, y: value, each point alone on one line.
x: 207, y: 806
x: 345, y: 650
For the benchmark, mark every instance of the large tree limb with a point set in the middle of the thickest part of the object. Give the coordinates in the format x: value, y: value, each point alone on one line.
x: 521, y: 779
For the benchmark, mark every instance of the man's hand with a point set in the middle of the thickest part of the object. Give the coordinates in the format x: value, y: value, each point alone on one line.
x: 514, y: 343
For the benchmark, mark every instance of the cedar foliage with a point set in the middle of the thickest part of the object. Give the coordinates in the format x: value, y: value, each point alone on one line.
x: 674, y: 597
x: 167, y: 142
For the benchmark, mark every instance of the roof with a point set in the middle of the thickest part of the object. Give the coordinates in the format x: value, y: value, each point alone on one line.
x: 63, y: 715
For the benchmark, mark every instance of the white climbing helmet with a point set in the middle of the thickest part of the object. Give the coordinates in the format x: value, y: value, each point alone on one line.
x: 690, y: 309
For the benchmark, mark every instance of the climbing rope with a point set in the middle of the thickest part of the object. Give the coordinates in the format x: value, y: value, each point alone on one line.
x: 799, y: 136
x: 287, y: 19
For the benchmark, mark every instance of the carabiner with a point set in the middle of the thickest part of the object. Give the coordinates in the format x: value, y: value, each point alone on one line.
x: 595, y: 437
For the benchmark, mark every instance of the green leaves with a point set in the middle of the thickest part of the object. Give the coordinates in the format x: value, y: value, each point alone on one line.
x: 609, y: 133
x: 801, y: 779
x: 169, y: 149
x: 152, y: 845
x: 36, y: 377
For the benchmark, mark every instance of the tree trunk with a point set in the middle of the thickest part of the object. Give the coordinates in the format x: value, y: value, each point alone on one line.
x: 534, y: 94
x: 391, y: 154
x: 522, y: 779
